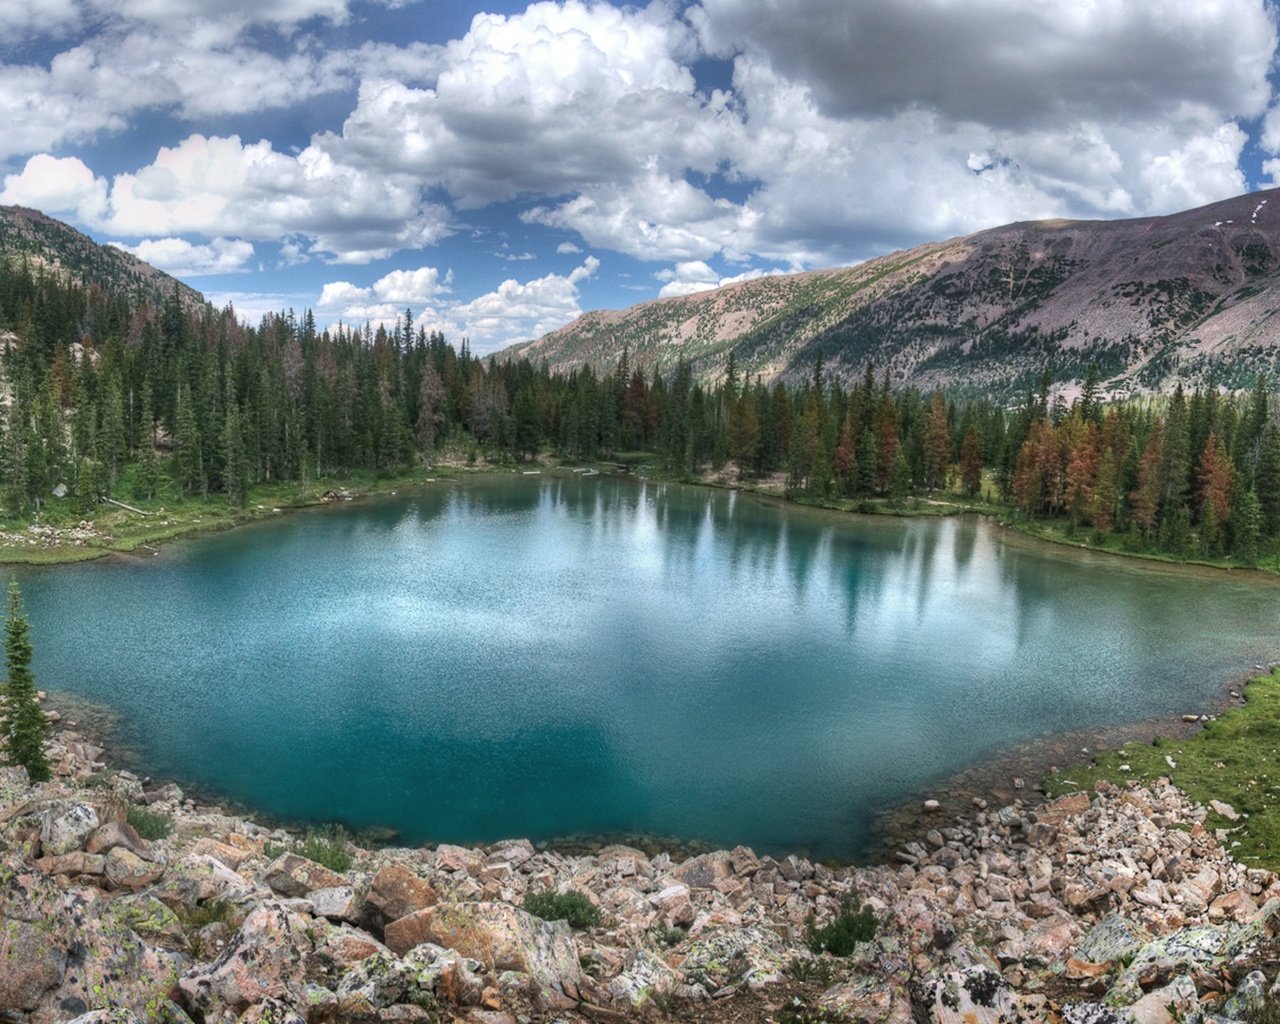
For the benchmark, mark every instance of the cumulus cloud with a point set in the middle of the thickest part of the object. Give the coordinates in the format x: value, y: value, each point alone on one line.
x: 183, y: 259
x: 568, y: 249
x: 56, y: 185
x: 694, y: 276
x: 217, y: 186
x: 514, y: 311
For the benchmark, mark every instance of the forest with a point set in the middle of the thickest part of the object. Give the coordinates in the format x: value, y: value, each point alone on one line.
x: 104, y: 396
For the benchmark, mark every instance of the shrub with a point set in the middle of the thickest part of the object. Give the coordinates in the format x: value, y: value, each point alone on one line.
x: 571, y: 907
x: 150, y: 824
x: 327, y: 846
x: 855, y: 923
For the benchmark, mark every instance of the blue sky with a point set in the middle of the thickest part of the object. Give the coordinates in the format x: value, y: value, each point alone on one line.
x: 500, y: 168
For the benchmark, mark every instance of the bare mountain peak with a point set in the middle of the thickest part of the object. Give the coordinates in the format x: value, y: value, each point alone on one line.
x: 1190, y: 296
x: 40, y: 240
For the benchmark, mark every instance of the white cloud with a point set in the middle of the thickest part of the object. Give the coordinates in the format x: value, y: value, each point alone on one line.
x: 567, y: 249
x: 514, y: 311
x: 694, y: 276
x: 217, y: 186
x: 183, y: 259
x: 56, y: 186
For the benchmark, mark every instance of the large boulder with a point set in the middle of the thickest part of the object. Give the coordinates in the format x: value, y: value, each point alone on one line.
x: 126, y: 870
x: 67, y: 827
x: 264, y: 960
x: 293, y: 876
x: 973, y: 995
x: 33, y: 965
x: 395, y: 892
x: 499, y: 935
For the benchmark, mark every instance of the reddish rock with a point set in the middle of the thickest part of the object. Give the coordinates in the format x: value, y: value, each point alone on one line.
x: 293, y: 876
x: 396, y: 892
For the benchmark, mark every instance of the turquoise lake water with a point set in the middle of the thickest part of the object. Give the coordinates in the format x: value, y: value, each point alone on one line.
x: 545, y: 657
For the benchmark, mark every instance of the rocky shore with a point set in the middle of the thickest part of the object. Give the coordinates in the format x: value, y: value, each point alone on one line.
x: 1111, y: 906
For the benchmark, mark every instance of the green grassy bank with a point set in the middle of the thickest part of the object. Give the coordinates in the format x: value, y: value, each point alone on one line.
x: 1234, y: 759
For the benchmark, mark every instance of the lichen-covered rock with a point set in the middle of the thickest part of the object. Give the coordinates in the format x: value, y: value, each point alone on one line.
x: 200, y: 879
x: 77, y: 862
x: 753, y: 956
x: 865, y: 999
x: 378, y: 981
x: 67, y: 828
x: 32, y: 961
x: 271, y: 1011
x: 644, y: 974
x: 291, y: 875
x: 1111, y: 939
x: 499, y: 935
x: 704, y: 871
x: 148, y: 917
x: 337, y: 903
x: 126, y: 870
x: 106, y: 838
x: 395, y: 892
x: 265, y: 958
x: 972, y: 995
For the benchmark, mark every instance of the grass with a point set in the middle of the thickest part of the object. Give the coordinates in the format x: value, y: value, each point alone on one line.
x: 326, y: 846
x: 572, y: 907
x: 150, y: 824
x: 854, y: 924
x: 1234, y: 759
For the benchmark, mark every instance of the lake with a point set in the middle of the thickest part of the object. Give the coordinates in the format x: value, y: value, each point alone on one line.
x: 556, y: 656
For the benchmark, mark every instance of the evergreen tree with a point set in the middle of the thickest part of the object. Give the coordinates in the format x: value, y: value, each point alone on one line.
x: 1248, y: 527
x: 22, y: 723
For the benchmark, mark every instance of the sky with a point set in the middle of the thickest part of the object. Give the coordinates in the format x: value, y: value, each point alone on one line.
x: 499, y: 168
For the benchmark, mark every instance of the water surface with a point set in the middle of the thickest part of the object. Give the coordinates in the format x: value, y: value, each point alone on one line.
x: 552, y: 656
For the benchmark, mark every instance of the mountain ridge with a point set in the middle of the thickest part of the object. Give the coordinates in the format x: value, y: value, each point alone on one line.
x: 1190, y: 296
x: 29, y: 235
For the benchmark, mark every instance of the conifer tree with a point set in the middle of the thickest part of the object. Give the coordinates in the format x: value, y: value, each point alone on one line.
x: 22, y: 723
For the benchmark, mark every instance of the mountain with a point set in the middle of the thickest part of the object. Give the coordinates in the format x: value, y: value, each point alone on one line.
x: 28, y: 235
x: 1193, y: 296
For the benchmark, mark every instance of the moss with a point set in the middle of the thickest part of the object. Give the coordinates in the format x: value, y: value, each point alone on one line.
x: 1234, y: 759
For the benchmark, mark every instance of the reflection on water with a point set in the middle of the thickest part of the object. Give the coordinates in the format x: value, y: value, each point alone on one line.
x: 553, y: 656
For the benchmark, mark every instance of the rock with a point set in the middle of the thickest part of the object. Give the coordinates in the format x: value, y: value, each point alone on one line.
x: 751, y: 955
x: 1235, y: 905
x: 338, y: 903
x: 456, y: 858
x: 376, y: 982
x: 1111, y: 939
x: 126, y: 870
x: 116, y: 833
x: 396, y: 892
x: 271, y: 1011
x: 867, y: 1000
x: 67, y: 828
x: 231, y: 856
x: 148, y: 917
x: 265, y: 959
x: 1175, y: 1002
x: 1224, y: 809
x: 932, y: 806
x: 645, y: 973
x: 499, y: 935
x: 674, y: 906
x: 974, y: 995
x: 75, y: 863
x: 291, y: 875
x: 33, y: 964
x: 199, y: 879
x: 703, y: 872
x: 346, y: 947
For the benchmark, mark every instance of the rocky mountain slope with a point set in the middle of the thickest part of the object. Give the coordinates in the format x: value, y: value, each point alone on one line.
x: 28, y: 235
x: 1193, y: 296
x: 1106, y: 907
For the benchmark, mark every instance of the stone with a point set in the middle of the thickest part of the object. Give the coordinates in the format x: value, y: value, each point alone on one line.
x: 33, y: 964
x: 753, y: 955
x: 1111, y: 939
x: 265, y: 959
x: 75, y: 863
x: 644, y: 974
x: 292, y: 875
x: 116, y: 833
x: 1224, y: 809
x: 867, y: 1000
x: 500, y: 936
x: 704, y: 871
x: 376, y: 982
x: 1235, y: 905
x: 674, y: 907
x: 457, y: 858
x: 974, y: 995
x: 67, y: 828
x: 148, y: 917
x: 346, y: 946
x: 337, y: 903
x: 126, y: 870
x: 1177, y: 1001
x: 396, y: 892
x: 231, y: 856
x: 271, y: 1011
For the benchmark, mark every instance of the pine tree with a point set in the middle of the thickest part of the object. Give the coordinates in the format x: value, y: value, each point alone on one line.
x: 1248, y: 527
x: 971, y: 463
x: 22, y: 723
x: 937, y: 443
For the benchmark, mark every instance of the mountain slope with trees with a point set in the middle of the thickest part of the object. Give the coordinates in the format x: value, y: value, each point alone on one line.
x: 1191, y: 297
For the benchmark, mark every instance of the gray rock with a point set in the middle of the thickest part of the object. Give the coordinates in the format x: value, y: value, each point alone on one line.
x: 1113, y: 938
x: 67, y: 828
